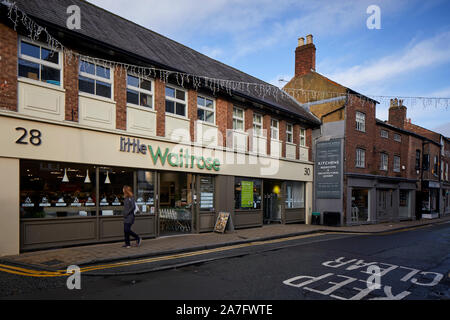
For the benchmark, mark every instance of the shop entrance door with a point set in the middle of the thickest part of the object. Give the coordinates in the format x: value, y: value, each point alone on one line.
x: 176, y: 203
x: 272, y: 202
x: 384, y: 204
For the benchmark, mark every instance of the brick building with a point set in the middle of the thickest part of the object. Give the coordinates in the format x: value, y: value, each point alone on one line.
x: 376, y: 174
x: 78, y: 125
x: 434, y: 189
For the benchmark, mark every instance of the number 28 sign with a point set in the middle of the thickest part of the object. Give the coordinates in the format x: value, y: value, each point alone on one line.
x: 33, y: 136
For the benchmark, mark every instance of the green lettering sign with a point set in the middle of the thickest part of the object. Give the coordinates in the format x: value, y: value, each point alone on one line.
x: 247, y: 194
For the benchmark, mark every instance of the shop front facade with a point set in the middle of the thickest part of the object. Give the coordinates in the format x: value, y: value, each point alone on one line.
x: 64, y: 186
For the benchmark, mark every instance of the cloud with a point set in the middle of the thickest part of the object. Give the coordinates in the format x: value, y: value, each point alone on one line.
x: 430, y: 52
x: 241, y: 28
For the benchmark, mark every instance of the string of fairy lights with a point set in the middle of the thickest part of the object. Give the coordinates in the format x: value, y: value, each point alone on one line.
x: 38, y: 33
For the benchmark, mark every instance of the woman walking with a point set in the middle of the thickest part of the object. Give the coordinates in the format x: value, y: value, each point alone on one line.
x: 128, y: 217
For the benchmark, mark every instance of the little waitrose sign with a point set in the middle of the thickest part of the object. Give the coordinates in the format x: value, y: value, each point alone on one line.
x: 181, y: 159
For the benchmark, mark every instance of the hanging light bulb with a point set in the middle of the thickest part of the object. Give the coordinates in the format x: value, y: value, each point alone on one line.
x: 65, y: 178
x: 107, y: 181
x: 87, y: 180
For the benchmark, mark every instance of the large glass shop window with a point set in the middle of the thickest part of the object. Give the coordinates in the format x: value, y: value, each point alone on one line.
x: 247, y: 194
x: 295, y: 195
x: 175, y: 201
x: 111, y: 182
x: 55, y: 190
x: 145, y: 195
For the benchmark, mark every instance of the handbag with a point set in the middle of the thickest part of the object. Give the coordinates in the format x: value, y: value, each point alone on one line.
x: 136, y: 209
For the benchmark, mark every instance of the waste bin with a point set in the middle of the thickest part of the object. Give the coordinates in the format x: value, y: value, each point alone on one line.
x: 332, y: 218
x: 315, y: 218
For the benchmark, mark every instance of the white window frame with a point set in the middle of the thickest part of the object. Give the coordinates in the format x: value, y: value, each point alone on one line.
x: 96, y: 78
x: 274, y: 129
x: 384, y: 134
x: 204, y: 108
x: 360, y: 158
x: 58, y: 66
x: 384, y: 162
x: 139, y: 90
x: 360, y: 121
x: 238, y: 119
x: 397, y: 137
x: 289, y: 133
x: 302, y: 137
x: 176, y: 100
x: 257, y: 126
x: 397, y: 163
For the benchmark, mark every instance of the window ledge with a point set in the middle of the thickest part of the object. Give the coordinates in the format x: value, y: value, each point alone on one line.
x: 93, y: 96
x: 39, y: 83
x: 141, y: 108
x: 204, y: 123
x: 176, y: 116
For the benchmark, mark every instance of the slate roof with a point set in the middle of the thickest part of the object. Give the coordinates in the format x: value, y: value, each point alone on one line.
x: 110, y: 29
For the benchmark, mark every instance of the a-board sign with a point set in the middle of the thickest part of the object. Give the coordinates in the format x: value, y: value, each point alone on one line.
x: 221, y: 222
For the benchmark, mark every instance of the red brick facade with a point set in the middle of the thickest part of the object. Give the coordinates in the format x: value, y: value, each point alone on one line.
x: 120, y: 96
x: 192, y: 112
x: 8, y: 67
x: 160, y: 108
x: 224, y: 119
x: 71, y: 87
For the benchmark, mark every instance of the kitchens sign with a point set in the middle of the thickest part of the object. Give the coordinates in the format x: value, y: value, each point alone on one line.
x: 181, y: 159
x: 328, y: 170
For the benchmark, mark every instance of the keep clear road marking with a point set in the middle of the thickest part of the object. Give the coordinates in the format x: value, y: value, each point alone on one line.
x: 63, y: 273
x: 414, y: 276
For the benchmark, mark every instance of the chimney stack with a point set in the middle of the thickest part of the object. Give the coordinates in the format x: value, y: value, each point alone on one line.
x: 305, y: 56
x: 397, y: 113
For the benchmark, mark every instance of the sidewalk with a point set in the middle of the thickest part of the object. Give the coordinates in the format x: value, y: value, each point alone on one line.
x: 57, y: 259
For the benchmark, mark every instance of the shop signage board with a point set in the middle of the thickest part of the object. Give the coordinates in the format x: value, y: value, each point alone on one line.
x: 247, y: 194
x: 221, y: 222
x: 328, y: 169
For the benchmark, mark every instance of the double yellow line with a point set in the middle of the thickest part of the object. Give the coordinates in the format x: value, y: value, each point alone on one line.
x: 63, y: 273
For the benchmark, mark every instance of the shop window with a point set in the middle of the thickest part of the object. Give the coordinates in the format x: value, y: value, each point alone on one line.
x: 145, y: 193
x: 206, y: 193
x: 295, y: 195
x: 95, y: 79
x: 111, y: 182
x: 39, y: 63
x: 139, y: 91
x: 175, y: 203
x: 360, y: 205
x: 247, y: 194
x: 56, y: 190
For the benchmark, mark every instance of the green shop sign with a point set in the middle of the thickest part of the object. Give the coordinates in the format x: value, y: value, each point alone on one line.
x: 182, y: 159
x: 247, y: 194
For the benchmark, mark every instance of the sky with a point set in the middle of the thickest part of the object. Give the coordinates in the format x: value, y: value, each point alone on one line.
x: 408, y: 56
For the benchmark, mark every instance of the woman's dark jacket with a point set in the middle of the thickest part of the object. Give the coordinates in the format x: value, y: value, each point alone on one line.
x: 128, y: 210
